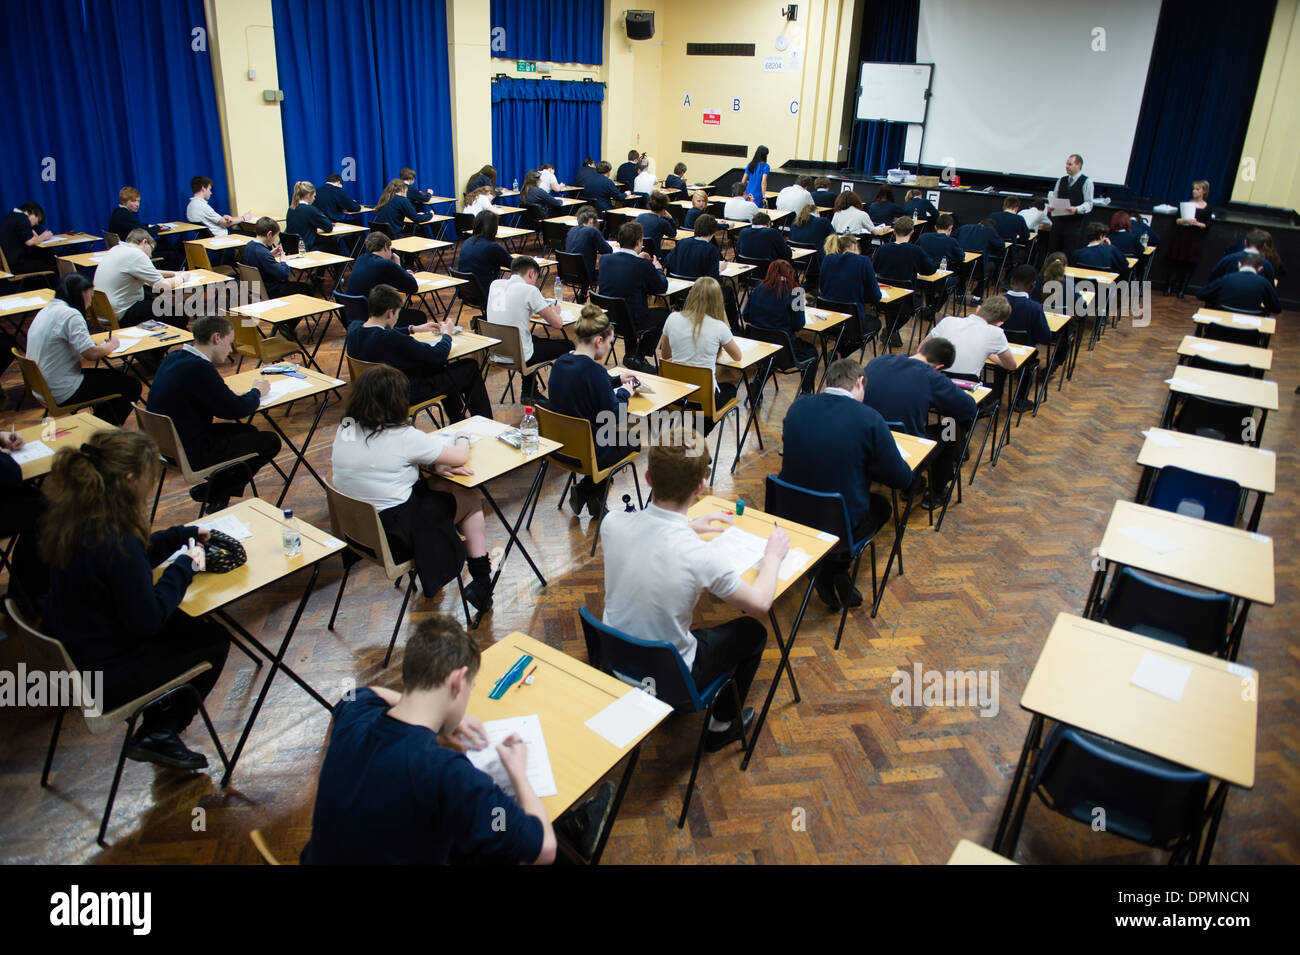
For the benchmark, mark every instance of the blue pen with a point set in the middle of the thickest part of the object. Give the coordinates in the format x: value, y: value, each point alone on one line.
x: 510, y: 677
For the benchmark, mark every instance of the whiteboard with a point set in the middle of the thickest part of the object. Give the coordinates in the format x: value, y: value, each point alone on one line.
x: 893, y: 91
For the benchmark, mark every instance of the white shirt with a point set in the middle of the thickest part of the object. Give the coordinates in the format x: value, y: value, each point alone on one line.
x: 739, y: 209
x: 656, y: 567
x: 645, y: 182
x: 123, y: 273
x: 514, y: 301
x: 973, y: 338
x: 1035, y: 218
x: 381, y: 468
x: 793, y: 198
x: 482, y: 204
x: 701, y: 352
x: 201, y: 213
x: 549, y: 182
x: 852, y: 219
x: 1083, y: 208
x: 57, y: 337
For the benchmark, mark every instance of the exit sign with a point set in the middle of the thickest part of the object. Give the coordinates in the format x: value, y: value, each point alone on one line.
x: 526, y: 66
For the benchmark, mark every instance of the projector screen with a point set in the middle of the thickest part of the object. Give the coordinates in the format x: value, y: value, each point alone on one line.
x: 1017, y: 87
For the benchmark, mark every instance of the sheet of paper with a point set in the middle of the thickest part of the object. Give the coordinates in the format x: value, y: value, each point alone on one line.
x: 824, y: 536
x: 480, y: 426
x: 228, y: 524
x: 1163, y: 676
x: 1162, y: 439
x: 1200, y: 344
x: 1187, y: 210
x: 32, y: 451
x: 282, y: 386
x: 741, y: 549
x: 229, y: 242
x: 1149, y: 539
x: 529, y: 728
x: 124, y: 344
x: 628, y: 717
x: 1185, y: 384
x: 257, y: 308
x: 1253, y: 321
x: 793, y: 563
x: 1059, y: 204
x: 21, y: 301
x: 137, y: 333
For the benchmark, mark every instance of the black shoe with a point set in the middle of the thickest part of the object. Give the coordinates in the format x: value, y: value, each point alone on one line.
x: 932, y: 501
x: 479, y: 594
x: 1023, y: 406
x: 716, y: 741
x: 165, y: 748
x: 848, y: 594
x: 896, y: 341
x: 578, y: 495
x: 597, y: 507
x: 637, y: 363
x: 582, y: 826
x: 826, y: 591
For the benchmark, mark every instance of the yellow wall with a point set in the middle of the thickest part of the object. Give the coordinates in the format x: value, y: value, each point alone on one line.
x: 469, y: 38
x: 1274, y: 128
x: 241, y: 37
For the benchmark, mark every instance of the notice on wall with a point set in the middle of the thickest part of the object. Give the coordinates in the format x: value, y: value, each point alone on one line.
x: 773, y: 64
x: 712, y: 119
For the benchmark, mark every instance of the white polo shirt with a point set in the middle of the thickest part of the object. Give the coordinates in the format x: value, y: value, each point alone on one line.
x: 514, y: 301
x: 739, y: 209
x: 201, y: 213
x: 381, y: 469
x: 974, y: 339
x: 645, y: 182
x: 123, y: 273
x: 793, y: 198
x: 57, y: 337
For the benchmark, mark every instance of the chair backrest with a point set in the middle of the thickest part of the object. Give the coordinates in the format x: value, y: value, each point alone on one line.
x: 702, y: 378
x: 102, y: 309
x: 251, y: 276
x: 554, y: 235
x: 464, y: 223
x: 1238, y: 336
x: 357, y: 367
x: 572, y: 269
x: 511, y: 344
x: 64, y: 267
x: 760, y: 267
x: 291, y: 242
x: 248, y: 336
x: 1196, y: 495
x: 34, y: 381
x: 820, y: 509
x: 1017, y: 336
x: 163, y: 431
x: 357, y: 524
x: 1146, y: 799
x: 196, y: 256
x: 619, y: 317
x: 471, y: 292
x: 386, y: 228
x: 1186, y: 618
x: 574, y: 433
x: 42, y: 652
x: 653, y: 665
x: 1226, y: 368
x: 785, y: 357
x: 111, y: 239
x: 1210, y: 418
x: 355, y: 307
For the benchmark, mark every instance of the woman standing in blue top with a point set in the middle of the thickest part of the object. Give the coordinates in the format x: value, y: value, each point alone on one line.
x: 755, y: 178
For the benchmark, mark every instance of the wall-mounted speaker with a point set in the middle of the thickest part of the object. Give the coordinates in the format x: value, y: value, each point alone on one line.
x: 640, y: 24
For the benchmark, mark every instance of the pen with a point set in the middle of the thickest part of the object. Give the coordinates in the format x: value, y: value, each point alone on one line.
x: 168, y: 338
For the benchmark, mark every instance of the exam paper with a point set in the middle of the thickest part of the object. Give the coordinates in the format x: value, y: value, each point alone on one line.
x: 22, y: 301
x: 529, y: 728
x: 1149, y: 539
x: 479, y: 425
x: 228, y: 524
x: 281, y: 387
x: 1252, y: 320
x: 1187, y: 210
x: 32, y: 451
x: 1200, y: 344
x: 1162, y: 439
x: 631, y: 715
x: 1161, y: 675
x: 257, y: 308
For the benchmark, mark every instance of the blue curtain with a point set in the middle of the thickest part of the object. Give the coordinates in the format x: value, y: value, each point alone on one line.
x: 555, y: 31
x: 537, y: 121
x: 1198, y: 100
x: 889, y: 30
x: 106, y: 95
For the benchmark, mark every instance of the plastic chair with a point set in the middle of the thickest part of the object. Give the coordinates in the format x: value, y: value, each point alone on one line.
x: 470, y: 293
x: 554, y: 235
x: 196, y: 257
x: 868, y: 328
x: 510, y: 347
x: 1196, y: 495
x: 249, y: 343
x: 358, y: 367
x: 1145, y: 798
x: 634, y: 342
x: 46, y: 653
x: 102, y: 309
x: 783, y: 361
x: 707, y: 400
x: 34, y: 380
x: 826, y: 512
x: 572, y: 269
x: 657, y: 664
x: 1210, y: 418
x: 172, y: 453
x: 1193, y: 619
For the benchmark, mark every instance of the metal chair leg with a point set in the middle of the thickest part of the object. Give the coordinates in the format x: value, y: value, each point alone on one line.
x: 338, y: 599
x: 400, y: 615
x: 49, y: 754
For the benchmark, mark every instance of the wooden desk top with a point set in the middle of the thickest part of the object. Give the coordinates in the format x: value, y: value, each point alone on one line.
x: 730, y: 270
x: 937, y: 276
x: 433, y: 281
x: 146, y: 342
x: 566, y: 201
x: 84, y: 260
x: 1225, y: 559
x: 177, y: 228
x: 232, y: 241
x: 463, y: 343
x: 1131, y: 260
x: 510, y: 232
x: 913, y: 449
x: 1253, y: 468
x: 665, y: 392
x: 565, y: 693
x: 1083, y: 678
x: 315, y: 384
x: 507, y: 210
x: 1238, y: 389
x: 488, y: 457
x: 822, y: 320
x: 889, y: 293
x: 196, y: 278
x: 816, y: 544
x: 70, y: 431
x: 416, y: 243
x: 284, y: 309
x: 972, y: 256
x: 563, y: 188
x: 266, y: 560
x: 23, y: 302
x: 1227, y: 352
x: 751, y: 353
x: 1056, y: 321
x: 5, y: 275
x: 343, y: 228
x: 677, y: 285
x: 314, y: 260
x: 1021, y: 353
x: 1216, y: 316
x: 438, y: 200
x: 434, y: 219
x: 968, y: 853
x: 1092, y: 275
x: 68, y: 238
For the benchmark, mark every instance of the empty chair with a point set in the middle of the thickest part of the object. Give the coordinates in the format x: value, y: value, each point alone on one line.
x: 1186, y: 618
x: 196, y: 257
x: 470, y: 293
x: 1210, y: 418
x: 1226, y: 368
x: 856, y: 335
x: 1196, y: 495
x: 572, y: 269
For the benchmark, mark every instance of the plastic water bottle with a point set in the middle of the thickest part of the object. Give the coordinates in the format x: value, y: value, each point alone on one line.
x: 290, y: 536
x: 943, y: 264
x: 559, y: 290
x: 515, y: 187
x: 1143, y: 240
x: 528, y: 432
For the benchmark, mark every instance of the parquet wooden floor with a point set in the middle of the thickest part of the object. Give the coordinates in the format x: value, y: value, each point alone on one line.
x: 875, y: 782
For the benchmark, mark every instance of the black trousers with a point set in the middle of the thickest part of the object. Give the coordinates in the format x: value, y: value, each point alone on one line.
x: 97, y: 382
x: 839, y: 561
x: 734, y: 646
x: 945, y: 453
x: 1066, y: 234
x: 183, y: 642
x: 231, y: 439
x: 21, y: 509
x: 462, y: 383
x: 545, y: 349
x: 648, y: 330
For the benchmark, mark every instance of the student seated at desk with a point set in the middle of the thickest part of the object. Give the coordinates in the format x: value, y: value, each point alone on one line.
x: 903, y: 260
x: 847, y: 276
x: 657, y: 224
x: 416, y: 197
x: 904, y: 389
x: 646, y: 181
x: 796, y: 195
x: 393, y: 209
x: 884, y: 208
x: 601, y: 190
x: 822, y: 194
x: 585, y: 172
x: 761, y: 241
x: 103, y: 604
x: 580, y: 387
x: 303, y: 218
x: 480, y: 200
x: 546, y: 176
x: 481, y: 254
x: 1026, y: 314
x: 810, y: 229
x: 834, y: 443
x: 487, y: 176
x: 849, y: 216
x: 696, y: 334
x: 1245, y: 290
x: 699, y: 255
x: 377, y: 458
x: 1009, y: 223
x: 773, y: 304
x: 1036, y: 218
x: 189, y: 389
x: 1121, y: 234
x: 633, y: 275
x: 514, y: 301
x: 126, y: 272
x: 391, y: 794
x: 126, y: 219
x: 532, y: 193
x: 59, y: 340
x: 699, y: 206
x: 1099, y: 253
x: 675, y: 183
x: 200, y: 211
x: 332, y: 200
x: 584, y: 239
x: 22, y: 511
x: 425, y: 366
x: 266, y: 254
x: 626, y: 174
x: 740, y: 207
x: 978, y: 337
x: 940, y: 246
x: 918, y: 207
x: 1260, y: 243
x: 22, y: 243
x: 660, y: 605
x: 378, y: 265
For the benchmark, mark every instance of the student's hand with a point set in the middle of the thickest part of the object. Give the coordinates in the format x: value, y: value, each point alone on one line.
x: 645, y: 255
x: 1072, y: 210
x: 277, y: 251
x: 447, y: 326
x: 262, y: 385
x: 227, y: 220
x: 112, y: 343
x: 426, y: 327
x: 470, y: 733
x: 629, y: 379
x: 447, y: 470
x: 514, y: 755
x: 11, y: 441
x: 778, y: 545
x: 203, y: 535
x: 197, y: 555
x: 704, y: 525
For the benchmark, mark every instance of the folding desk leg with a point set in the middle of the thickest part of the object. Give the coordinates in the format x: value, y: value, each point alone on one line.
x: 300, y: 456
x: 1238, y: 629
x: 956, y: 474
x: 896, y: 550
x: 1144, y: 485
x: 1093, y: 604
x: 1218, y: 801
x: 1013, y: 813
x: 1257, y: 512
x: 1167, y: 415
x: 776, y: 679
x: 514, y: 531
x: 632, y: 758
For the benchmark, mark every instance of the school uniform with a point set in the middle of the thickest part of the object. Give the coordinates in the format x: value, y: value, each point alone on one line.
x: 200, y: 212
x: 122, y: 222
x: 275, y: 274
x: 1027, y: 316
x: 1229, y: 264
x: 1243, y: 290
x: 425, y: 366
x: 586, y: 241
x: 1126, y: 242
x: 765, y: 309
x: 545, y: 203
x: 581, y: 388
x: 417, y: 197
x: 739, y: 209
x: 849, y: 277
x: 674, y: 183
x: 1100, y: 256
x: 691, y: 215
x: 483, y: 257
x: 124, y: 274
x: 656, y: 229
x: 371, y: 269
x: 22, y: 507
x: 793, y: 198
x: 583, y: 174
x: 478, y: 182
x: 974, y: 237
x: 694, y: 258
x: 1140, y: 228
x: 335, y: 202
x: 15, y: 231
x: 1011, y: 226
x: 903, y: 261
x: 813, y: 233
x: 762, y: 242
x: 56, y: 340
x: 644, y: 183
x: 626, y: 175
x: 823, y: 197
x: 974, y: 340
x: 884, y: 212
x: 396, y: 211
x: 547, y: 180
x: 601, y: 191
x: 304, y: 220
x: 514, y: 301
x: 853, y: 219
x: 921, y: 209
x: 629, y: 277
x: 939, y: 246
